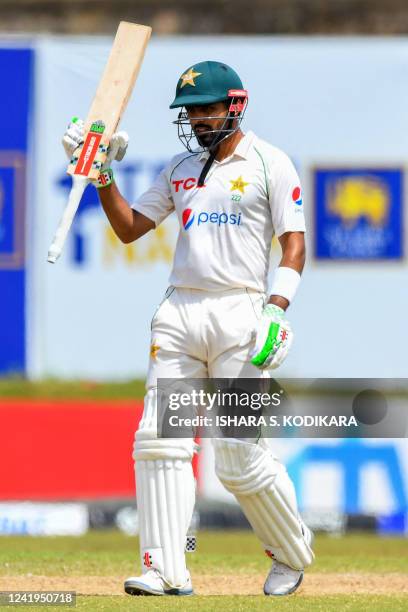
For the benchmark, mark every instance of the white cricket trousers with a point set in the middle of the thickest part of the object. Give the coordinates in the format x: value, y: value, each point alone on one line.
x: 201, y: 334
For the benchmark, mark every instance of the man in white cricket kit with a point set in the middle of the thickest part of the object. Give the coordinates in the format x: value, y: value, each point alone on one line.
x: 217, y: 319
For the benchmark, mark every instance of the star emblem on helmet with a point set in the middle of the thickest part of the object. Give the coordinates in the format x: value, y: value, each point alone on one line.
x: 188, y: 77
x: 238, y: 184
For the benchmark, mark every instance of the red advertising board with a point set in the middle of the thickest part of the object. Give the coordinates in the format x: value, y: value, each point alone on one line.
x: 55, y: 450
x: 68, y: 450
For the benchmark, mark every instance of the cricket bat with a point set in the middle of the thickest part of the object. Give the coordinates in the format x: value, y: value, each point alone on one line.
x: 107, y: 108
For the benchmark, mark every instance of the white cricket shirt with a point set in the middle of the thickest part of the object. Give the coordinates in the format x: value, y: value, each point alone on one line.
x: 226, y: 226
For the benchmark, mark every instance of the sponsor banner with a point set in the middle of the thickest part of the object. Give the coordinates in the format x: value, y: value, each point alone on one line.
x: 359, y: 213
x: 16, y: 66
x: 67, y: 450
x: 35, y: 519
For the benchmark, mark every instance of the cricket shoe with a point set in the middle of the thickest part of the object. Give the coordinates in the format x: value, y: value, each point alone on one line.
x: 152, y: 583
x: 282, y: 579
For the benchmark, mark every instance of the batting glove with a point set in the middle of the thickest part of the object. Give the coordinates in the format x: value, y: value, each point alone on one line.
x: 74, y: 137
x: 274, y: 337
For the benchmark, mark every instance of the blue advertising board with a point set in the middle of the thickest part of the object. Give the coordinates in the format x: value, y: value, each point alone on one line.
x: 16, y: 66
x: 358, y: 213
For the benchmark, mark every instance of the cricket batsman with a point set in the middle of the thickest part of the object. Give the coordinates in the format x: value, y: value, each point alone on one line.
x: 231, y: 195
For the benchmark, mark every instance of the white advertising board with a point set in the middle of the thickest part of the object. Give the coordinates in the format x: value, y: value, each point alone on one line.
x: 40, y: 519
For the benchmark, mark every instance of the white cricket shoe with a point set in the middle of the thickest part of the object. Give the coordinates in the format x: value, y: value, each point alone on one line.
x: 282, y: 579
x: 152, y: 583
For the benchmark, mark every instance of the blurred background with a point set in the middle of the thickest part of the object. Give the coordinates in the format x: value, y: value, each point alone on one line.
x: 327, y: 83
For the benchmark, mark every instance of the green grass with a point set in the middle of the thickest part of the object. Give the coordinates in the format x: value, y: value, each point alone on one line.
x: 335, y: 603
x: 15, y: 387
x: 353, y: 603
x: 235, y: 554
x: 112, y: 553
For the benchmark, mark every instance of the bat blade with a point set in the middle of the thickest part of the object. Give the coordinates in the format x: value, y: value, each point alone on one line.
x: 107, y: 108
x: 111, y: 97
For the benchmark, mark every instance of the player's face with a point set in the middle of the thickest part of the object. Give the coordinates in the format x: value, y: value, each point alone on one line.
x: 206, y: 118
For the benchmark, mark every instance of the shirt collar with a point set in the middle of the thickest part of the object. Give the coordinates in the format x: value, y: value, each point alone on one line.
x: 241, y: 150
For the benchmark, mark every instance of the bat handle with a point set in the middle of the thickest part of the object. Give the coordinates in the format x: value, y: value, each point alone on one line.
x: 79, y: 184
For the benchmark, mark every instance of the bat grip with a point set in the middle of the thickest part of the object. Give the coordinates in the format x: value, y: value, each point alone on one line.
x: 79, y: 184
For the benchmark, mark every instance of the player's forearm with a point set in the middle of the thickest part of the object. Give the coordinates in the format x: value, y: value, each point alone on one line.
x: 117, y: 210
x: 290, y: 267
x: 294, y: 256
x: 126, y: 223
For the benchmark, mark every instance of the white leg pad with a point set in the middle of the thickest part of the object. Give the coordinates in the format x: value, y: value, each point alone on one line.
x: 266, y: 495
x: 165, y: 498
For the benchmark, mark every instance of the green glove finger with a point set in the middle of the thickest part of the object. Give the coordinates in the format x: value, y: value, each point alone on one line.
x: 268, y: 347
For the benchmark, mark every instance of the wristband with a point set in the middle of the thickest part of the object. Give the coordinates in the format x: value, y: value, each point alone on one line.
x: 105, y: 178
x: 285, y: 283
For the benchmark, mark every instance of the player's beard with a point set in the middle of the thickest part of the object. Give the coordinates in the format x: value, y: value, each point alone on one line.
x: 206, y: 138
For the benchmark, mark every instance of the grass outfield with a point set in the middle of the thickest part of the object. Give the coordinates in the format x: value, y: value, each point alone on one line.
x: 14, y: 387
x: 354, y: 572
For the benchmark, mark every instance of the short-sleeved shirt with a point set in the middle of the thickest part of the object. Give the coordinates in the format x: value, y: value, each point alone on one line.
x: 227, y: 225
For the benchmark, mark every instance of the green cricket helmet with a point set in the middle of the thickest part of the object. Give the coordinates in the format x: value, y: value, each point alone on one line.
x: 207, y: 83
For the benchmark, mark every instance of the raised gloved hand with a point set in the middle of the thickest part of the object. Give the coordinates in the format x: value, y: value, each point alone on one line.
x: 273, y: 338
x: 74, y: 137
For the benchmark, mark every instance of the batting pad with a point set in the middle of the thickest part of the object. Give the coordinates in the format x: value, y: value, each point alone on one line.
x: 165, y: 491
x: 267, y: 497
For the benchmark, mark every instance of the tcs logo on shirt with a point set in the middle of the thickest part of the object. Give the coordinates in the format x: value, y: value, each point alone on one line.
x: 186, y: 184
